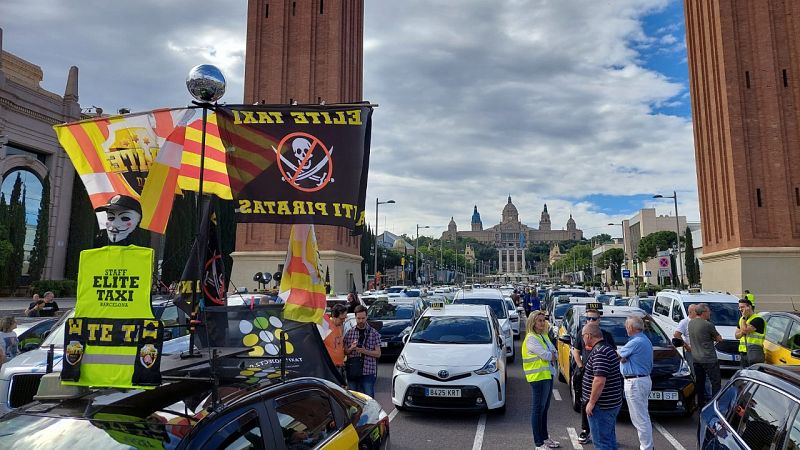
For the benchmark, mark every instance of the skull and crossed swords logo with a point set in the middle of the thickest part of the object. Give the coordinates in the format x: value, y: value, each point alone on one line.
x: 303, y: 149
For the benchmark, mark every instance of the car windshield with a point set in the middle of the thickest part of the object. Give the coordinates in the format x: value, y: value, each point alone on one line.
x: 646, y: 305
x: 395, y: 290
x: 724, y: 314
x: 560, y: 310
x: 496, y: 304
x: 510, y: 305
x: 390, y: 311
x: 452, y: 330
x: 616, y: 326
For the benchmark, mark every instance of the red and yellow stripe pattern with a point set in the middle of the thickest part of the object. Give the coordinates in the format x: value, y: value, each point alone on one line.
x: 302, y: 289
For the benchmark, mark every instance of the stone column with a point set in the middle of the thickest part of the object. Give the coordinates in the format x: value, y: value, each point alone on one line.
x: 524, y: 267
x: 514, y: 251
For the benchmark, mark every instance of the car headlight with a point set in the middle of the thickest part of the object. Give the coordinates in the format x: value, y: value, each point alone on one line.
x: 683, y: 370
x: 488, y: 368
x: 402, y: 365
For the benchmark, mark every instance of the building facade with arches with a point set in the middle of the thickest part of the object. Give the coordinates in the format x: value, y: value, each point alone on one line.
x: 29, y: 149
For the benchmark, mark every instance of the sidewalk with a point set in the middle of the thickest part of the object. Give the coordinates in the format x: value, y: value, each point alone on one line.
x: 19, y: 304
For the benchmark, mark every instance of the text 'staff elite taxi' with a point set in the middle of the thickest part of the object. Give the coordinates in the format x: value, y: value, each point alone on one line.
x: 300, y: 413
x: 453, y: 359
x: 673, y: 387
x: 757, y: 409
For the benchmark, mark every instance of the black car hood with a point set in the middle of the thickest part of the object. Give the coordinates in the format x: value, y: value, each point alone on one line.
x: 390, y: 327
x: 666, y: 361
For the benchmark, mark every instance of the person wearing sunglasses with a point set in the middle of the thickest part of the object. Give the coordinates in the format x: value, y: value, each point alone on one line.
x: 579, y: 356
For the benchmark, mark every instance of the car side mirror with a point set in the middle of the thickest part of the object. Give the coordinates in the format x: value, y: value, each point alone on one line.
x: 677, y: 342
x: 567, y: 339
x: 406, y: 338
x: 796, y: 353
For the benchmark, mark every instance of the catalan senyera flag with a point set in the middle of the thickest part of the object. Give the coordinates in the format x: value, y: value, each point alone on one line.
x: 302, y: 288
x: 115, y: 155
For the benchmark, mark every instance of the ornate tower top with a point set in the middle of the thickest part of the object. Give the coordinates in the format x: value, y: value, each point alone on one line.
x: 452, y: 225
x: 571, y: 224
x: 510, y: 213
x: 544, y: 222
x: 477, y: 225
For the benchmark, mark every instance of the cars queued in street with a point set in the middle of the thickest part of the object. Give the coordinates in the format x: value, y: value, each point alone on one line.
x: 494, y: 299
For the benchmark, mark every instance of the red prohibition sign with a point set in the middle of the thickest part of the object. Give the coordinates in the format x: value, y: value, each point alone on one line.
x: 663, y: 262
x: 292, y: 179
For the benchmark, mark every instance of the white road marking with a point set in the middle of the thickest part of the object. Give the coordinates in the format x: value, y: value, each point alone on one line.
x: 393, y: 413
x: 668, y: 436
x: 556, y: 395
x: 479, y: 433
x: 573, y: 436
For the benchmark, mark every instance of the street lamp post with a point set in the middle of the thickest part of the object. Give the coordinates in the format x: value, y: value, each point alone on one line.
x: 375, y: 273
x: 674, y: 197
x: 416, y: 253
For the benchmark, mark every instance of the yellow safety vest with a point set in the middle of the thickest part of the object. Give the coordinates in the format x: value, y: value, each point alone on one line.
x: 753, y: 339
x: 534, y: 367
x: 752, y: 298
x: 114, y: 339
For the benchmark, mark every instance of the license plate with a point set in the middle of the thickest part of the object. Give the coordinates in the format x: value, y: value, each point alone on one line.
x: 440, y: 392
x: 384, y: 344
x: 658, y: 395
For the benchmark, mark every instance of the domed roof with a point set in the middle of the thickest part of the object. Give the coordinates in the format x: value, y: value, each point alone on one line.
x: 452, y: 221
x: 510, y: 211
x: 571, y: 221
x: 476, y: 216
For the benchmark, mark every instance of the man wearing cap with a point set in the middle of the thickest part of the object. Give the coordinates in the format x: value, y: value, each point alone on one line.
x: 750, y: 331
x: 123, y: 214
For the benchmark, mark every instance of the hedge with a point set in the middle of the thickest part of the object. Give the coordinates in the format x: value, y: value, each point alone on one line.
x: 61, y: 288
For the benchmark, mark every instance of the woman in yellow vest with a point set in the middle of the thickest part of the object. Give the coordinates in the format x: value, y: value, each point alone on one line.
x: 538, y: 362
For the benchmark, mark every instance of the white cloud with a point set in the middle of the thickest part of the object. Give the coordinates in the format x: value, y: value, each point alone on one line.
x: 545, y: 100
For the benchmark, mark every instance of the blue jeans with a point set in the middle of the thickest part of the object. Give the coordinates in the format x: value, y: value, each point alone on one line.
x: 603, y: 423
x: 542, y: 391
x: 365, y: 384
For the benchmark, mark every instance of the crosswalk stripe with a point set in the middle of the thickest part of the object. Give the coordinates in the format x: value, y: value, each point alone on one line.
x: 393, y: 413
x: 573, y: 437
x: 556, y: 395
x: 668, y: 436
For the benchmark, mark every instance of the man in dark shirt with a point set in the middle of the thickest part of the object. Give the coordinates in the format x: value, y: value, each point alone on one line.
x: 750, y: 331
x: 579, y: 356
x: 602, y: 388
x: 43, y: 308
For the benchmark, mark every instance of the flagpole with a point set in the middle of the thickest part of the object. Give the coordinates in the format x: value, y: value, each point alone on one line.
x: 206, y: 84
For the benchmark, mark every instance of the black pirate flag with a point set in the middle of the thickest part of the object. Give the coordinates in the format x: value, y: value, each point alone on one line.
x: 292, y: 164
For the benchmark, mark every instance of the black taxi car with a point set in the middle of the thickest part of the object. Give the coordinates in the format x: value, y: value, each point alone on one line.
x: 673, y: 386
x: 301, y: 413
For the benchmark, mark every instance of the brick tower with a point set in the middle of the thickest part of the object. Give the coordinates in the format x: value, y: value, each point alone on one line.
x: 307, y: 51
x: 744, y: 73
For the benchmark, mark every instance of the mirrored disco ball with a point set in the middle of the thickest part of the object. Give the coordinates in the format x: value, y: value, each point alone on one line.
x: 206, y: 83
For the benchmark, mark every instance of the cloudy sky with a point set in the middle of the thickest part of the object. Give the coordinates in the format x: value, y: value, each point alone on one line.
x: 580, y: 104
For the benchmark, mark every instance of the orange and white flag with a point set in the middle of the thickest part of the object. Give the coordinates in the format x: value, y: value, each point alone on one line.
x: 302, y: 288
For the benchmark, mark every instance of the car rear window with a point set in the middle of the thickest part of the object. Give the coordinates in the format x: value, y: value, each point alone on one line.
x: 560, y: 310
x: 390, y: 311
x: 616, y: 326
x: 497, y: 305
x: 452, y: 330
x: 725, y: 314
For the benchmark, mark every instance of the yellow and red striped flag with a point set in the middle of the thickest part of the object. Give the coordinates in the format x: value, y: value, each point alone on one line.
x: 302, y: 288
x: 115, y: 155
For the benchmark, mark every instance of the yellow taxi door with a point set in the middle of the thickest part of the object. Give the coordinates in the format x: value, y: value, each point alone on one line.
x: 563, y: 353
x: 346, y: 439
x: 777, y: 347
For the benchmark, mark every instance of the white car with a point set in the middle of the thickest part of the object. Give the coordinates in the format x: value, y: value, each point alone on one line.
x: 494, y: 299
x: 513, y: 317
x: 453, y: 359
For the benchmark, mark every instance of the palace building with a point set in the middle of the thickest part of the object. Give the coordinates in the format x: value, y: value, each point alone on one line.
x: 511, y: 237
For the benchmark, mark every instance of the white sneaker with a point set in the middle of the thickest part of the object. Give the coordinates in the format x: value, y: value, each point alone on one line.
x: 543, y: 447
x: 551, y: 443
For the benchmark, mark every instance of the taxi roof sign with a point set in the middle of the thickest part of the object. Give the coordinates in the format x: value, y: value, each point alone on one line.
x: 594, y: 305
x: 437, y: 305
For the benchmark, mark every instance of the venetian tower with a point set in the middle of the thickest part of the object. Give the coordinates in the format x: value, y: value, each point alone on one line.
x: 309, y: 51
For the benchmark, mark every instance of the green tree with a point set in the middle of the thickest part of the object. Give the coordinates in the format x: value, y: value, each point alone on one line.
x: 16, y: 234
x: 613, y: 259
x: 367, y: 247
x: 39, y: 252
x: 689, y: 259
x: 602, y: 238
x: 651, y: 244
x: 82, y: 228
x: 226, y: 227
x: 5, y: 245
